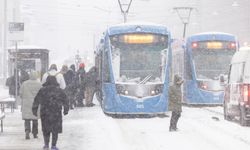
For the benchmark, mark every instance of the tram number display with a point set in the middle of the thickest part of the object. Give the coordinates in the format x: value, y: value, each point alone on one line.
x: 139, y: 38
x: 140, y: 105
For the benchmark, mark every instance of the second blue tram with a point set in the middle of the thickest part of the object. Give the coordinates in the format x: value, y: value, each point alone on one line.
x: 133, y: 63
x: 205, y: 58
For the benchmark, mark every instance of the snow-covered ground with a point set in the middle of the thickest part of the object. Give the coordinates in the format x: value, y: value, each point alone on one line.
x: 89, y: 129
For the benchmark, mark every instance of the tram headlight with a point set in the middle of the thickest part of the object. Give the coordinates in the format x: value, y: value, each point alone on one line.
x: 202, y: 85
x: 153, y: 92
x: 121, y: 90
x: 126, y: 92
x: 157, y: 90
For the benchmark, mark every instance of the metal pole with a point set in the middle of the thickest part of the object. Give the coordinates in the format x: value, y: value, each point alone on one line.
x: 5, y: 41
x: 125, y: 17
x: 16, y: 73
x: 184, y: 31
x: 184, y: 19
x: 125, y: 12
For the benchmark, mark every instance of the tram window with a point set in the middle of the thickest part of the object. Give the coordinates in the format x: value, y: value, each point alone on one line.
x: 106, y: 68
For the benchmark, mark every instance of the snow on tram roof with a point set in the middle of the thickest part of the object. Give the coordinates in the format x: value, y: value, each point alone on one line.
x: 132, y: 27
x: 137, y: 23
x: 213, y: 32
x: 212, y: 36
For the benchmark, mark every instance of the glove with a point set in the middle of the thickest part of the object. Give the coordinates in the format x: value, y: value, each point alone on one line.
x: 65, y: 113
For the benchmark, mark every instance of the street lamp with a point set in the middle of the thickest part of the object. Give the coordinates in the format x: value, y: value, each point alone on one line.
x: 124, y: 6
x: 184, y: 14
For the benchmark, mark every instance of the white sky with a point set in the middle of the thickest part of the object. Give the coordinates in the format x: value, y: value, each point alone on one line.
x: 65, y: 26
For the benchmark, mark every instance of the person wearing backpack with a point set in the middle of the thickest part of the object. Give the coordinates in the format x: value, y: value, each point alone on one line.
x: 53, y: 72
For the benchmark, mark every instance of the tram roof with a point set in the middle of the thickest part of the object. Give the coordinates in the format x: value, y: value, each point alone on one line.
x: 28, y: 48
x: 140, y: 27
x: 206, y: 36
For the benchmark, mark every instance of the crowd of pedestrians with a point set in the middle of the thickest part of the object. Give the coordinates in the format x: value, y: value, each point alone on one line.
x: 62, y: 90
x: 51, y: 98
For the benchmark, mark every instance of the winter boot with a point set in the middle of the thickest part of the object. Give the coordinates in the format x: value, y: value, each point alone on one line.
x: 171, y: 129
x: 45, y: 147
x: 54, y: 148
x: 35, y: 136
x: 27, y: 136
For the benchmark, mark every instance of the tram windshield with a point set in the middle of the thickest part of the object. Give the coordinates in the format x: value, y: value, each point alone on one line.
x: 211, y: 63
x: 139, y: 58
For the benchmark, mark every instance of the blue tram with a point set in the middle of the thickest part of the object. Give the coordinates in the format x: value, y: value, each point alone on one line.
x: 133, y: 63
x: 205, y: 60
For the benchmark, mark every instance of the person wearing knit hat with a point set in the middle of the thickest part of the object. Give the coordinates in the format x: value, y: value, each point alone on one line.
x: 80, y: 79
x: 82, y: 65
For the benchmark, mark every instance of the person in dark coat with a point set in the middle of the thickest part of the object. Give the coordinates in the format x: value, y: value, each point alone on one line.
x: 23, y: 76
x: 71, y: 85
x: 90, y: 86
x: 80, y: 91
x: 51, y: 99
x: 175, y: 104
x: 12, y: 82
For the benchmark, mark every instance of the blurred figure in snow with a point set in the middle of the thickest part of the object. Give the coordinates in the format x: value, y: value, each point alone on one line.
x: 80, y: 91
x: 71, y: 85
x: 12, y: 82
x: 28, y: 91
x: 175, y: 104
x: 90, y: 81
x: 51, y: 99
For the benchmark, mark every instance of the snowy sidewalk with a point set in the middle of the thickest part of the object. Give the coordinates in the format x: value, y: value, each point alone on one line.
x: 89, y: 129
x: 80, y: 128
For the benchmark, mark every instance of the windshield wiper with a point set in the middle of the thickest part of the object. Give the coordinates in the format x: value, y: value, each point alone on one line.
x: 145, y: 79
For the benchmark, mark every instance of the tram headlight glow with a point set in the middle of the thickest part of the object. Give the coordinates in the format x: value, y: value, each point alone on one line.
x: 126, y: 92
x: 152, y: 92
x: 202, y: 85
x: 157, y: 90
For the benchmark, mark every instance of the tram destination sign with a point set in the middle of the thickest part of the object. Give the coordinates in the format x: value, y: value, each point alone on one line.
x: 16, y: 31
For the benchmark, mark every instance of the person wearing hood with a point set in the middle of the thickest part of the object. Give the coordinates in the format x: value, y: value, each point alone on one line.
x: 53, y: 72
x: 175, y: 104
x: 28, y: 91
x: 51, y: 99
x: 12, y: 82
